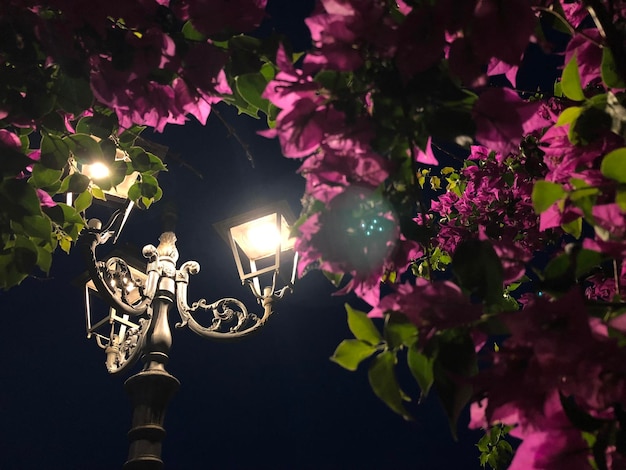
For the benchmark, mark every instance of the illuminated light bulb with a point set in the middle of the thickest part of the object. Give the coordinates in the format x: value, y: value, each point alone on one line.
x: 265, y: 238
x: 96, y: 170
x: 261, y: 237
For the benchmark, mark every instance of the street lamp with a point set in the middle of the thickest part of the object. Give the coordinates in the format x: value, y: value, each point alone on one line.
x: 137, y: 324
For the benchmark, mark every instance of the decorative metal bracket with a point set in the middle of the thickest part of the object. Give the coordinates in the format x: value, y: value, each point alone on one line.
x: 139, y: 334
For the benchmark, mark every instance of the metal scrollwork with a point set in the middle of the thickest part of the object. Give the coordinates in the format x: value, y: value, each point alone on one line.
x: 124, y: 349
x: 141, y: 328
x: 228, y: 317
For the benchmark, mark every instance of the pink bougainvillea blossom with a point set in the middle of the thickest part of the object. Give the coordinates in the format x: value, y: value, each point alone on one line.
x: 499, y: 67
x: 502, y: 30
x: 427, y: 155
x: 553, y: 444
x: 421, y: 38
x: 44, y: 198
x: 502, y: 117
x: 585, y: 47
x: 421, y: 304
x: 10, y: 139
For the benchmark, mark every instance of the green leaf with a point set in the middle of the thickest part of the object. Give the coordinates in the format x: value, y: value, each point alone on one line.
x: 421, y: 366
x: 134, y: 192
x: 68, y: 219
x: 192, y: 34
x: 334, y: 278
x: 251, y: 86
x: 620, y: 198
x: 83, y: 201
x: 593, y: 122
x: 479, y: 270
x: 383, y: 381
x: 268, y: 71
x: 12, y: 162
x: 558, y: 91
x: 100, y: 125
x: 66, y: 244
x: 610, y: 75
x: 44, y: 258
x: 140, y: 159
x: 43, y: 177
x: 557, y: 267
x: 37, y: 226
x: 586, y: 261
x: 84, y: 148
x: 243, y: 107
x: 77, y: 183
x: 149, y: 186
x: 399, y: 331
x: 74, y: 95
x: 55, y: 152
x: 569, y: 115
x: 613, y: 165
x: 574, y: 228
x: 351, y: 352
x: 19, y: 198
x: 97, y: 193
x: 24, y: 254
x: 570, y: 81
x: 109, y: 149
x: 581, y: 189
x: 129, y: 136
x: 546, y: 193
x: 362, y: 327
x: 456, y: 361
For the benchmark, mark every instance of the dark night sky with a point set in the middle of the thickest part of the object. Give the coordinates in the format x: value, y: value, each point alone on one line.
x: 269, y: 401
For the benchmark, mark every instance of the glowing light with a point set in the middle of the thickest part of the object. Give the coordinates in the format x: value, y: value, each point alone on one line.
x: 261, y: 237
x: 96, y: 170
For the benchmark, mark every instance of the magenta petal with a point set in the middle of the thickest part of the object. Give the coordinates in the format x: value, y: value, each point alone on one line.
x: 44, y: 199
x: 427, y: 157
x: 9, y: 139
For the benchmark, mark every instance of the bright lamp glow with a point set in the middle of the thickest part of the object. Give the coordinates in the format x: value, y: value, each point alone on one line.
x: 96, y: 170
x: 260, y: 238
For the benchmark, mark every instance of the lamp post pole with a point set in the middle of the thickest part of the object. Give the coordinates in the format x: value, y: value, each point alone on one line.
x: 151, y: 389
x: 142, y: 331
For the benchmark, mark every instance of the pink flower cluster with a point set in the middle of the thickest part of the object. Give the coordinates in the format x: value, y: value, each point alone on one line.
x: 133, y: 53
x: 555, y: 349
x: 495, y: 204
x: 375, y: 55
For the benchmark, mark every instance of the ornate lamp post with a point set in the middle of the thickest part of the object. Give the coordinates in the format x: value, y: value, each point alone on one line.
x: 137, y: 326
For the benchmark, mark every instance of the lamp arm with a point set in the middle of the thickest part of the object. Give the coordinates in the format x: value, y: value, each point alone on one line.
x: 229, y: 317
x: 114, y: 296
x: 122, y: 353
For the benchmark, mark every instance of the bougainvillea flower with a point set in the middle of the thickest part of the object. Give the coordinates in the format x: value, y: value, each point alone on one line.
x: 499, y: 67
x: 10, y: 139
x: 301, y: 129
x: 330, y: 170
x: 426, y: 156
x: 464, y: 64
x: 421, y: 303
x: 555, y: 444
x: 44, y: 198
x: 502, y: 117
x: 502, y: 30
x: 588, y: 55
x: 421, y: 38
